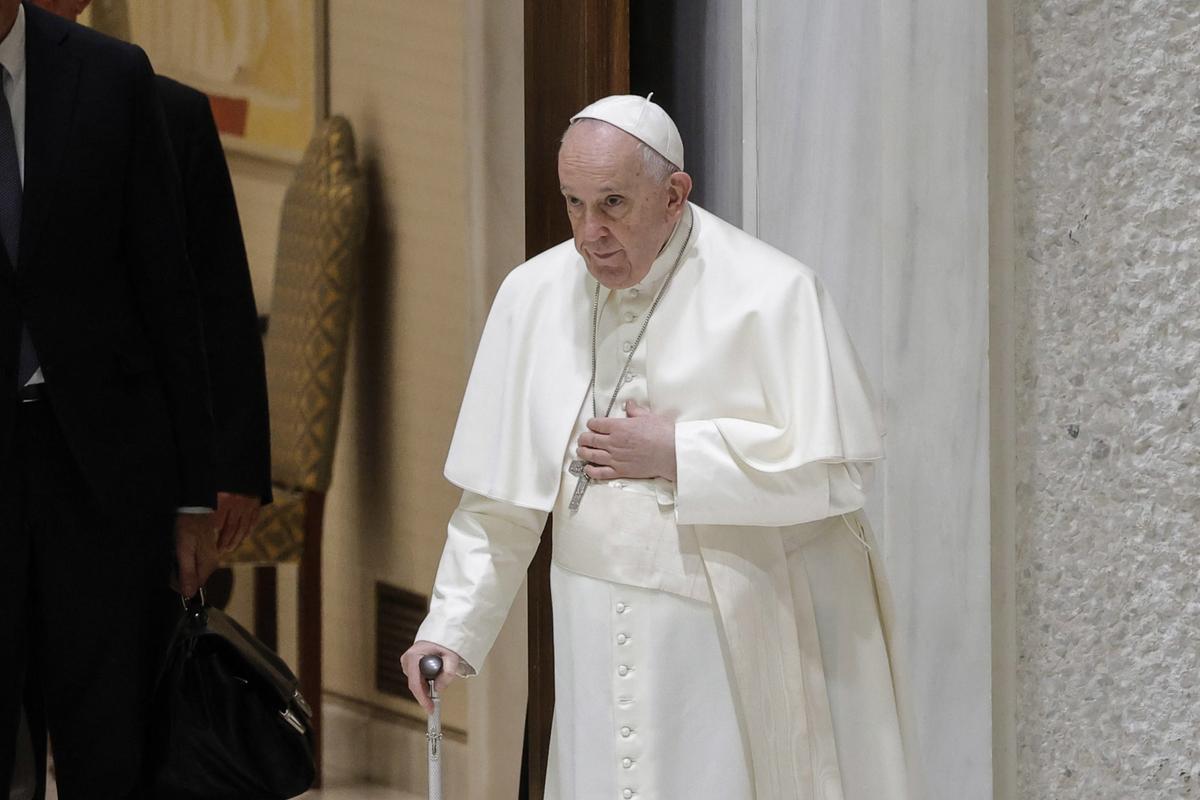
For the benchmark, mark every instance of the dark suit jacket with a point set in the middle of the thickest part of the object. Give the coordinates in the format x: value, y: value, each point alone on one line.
x: 217, y: 254
x: 102, y: 277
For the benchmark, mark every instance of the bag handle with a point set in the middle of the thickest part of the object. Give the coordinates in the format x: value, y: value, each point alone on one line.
x: 187, y: 600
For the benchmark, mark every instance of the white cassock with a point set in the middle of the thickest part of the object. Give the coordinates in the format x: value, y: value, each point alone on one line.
x: 725, y: 636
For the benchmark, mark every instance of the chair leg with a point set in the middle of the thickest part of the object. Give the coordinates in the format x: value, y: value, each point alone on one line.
x: 266, y: 606
x: 310, y: 615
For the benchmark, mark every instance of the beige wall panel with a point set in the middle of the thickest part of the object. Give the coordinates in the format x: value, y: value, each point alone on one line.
x: 396, y: 72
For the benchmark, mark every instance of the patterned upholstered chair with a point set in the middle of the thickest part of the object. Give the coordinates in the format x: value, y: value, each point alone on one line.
x: 316, y: 270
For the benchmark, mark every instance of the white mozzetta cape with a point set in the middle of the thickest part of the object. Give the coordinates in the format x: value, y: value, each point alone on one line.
x: 749, y: 356
x: 755, y: 347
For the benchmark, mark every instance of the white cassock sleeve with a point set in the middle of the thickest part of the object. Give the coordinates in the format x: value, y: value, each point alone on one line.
x: 489, y: 544
x: 715, y: 487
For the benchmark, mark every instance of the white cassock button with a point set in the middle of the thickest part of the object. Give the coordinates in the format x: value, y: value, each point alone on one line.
x: 627, y: 763
x: 617, y: 484
x: 628, y: 378
x: 634, y: 292
x: 622, y: 638
x: 630, y: 316
x: 621, y: 608
x: 626, y: 732
x: 622, y: 670
x: 627, y: 347
x: 628, y: 793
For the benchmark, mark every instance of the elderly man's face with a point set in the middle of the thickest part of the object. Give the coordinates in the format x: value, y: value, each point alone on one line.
x: 620, y: 216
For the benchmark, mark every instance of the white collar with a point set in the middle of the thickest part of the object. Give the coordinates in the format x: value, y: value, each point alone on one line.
x: 12, y: 49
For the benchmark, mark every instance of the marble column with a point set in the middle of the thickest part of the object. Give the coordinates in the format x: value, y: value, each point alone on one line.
x: 867, y: 160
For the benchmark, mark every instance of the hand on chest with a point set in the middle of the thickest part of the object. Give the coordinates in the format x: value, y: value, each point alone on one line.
x: 624, y: 438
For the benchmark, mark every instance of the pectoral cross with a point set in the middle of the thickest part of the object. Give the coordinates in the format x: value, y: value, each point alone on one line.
x: 581, y: 486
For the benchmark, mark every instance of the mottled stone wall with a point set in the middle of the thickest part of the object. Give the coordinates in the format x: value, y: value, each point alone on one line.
x: 1107, y: 96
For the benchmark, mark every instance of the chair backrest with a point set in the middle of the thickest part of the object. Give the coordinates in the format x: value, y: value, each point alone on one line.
x: 316, y: 269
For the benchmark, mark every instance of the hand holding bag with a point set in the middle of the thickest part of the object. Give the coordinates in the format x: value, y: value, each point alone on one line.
x: 230, y: 719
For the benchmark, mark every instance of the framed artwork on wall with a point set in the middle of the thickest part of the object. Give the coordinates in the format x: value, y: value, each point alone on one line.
x: 262, y: 63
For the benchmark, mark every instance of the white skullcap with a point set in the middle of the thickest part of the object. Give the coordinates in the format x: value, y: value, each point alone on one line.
x: 642, y: 119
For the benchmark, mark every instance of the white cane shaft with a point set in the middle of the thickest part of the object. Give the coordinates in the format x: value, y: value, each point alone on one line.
x: 433, y: 737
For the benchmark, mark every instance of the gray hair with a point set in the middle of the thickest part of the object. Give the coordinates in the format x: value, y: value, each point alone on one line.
x: 654, y: 165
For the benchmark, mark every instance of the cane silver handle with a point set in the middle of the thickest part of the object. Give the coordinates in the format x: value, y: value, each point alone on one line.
x: 431, y: 668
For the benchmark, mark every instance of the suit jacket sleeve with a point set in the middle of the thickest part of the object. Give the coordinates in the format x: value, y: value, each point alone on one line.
x: 217, y: 253
x: 166, y: 289
x: 489, y: 544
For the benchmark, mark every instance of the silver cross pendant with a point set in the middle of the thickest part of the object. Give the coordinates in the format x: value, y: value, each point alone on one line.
x: 581, y: 485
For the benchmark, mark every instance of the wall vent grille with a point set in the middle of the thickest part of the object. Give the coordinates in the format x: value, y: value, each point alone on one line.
x: 398, y: 615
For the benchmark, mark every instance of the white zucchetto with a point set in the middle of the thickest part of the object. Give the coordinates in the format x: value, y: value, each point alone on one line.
x: 641, y: 118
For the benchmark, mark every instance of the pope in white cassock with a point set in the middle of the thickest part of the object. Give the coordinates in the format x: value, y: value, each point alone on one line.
x: 685, y: 401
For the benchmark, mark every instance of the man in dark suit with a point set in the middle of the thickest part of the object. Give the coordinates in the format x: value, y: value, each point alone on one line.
x: 105, y: 427
x: 217, y: 253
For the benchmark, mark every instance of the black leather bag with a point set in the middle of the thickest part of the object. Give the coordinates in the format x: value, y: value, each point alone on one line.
x: 230, y: 721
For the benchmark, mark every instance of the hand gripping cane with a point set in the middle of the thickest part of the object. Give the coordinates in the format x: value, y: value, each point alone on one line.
x: 431, y: 668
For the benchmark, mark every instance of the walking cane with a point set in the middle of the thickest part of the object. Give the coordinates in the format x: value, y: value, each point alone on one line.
x: 431, y: 668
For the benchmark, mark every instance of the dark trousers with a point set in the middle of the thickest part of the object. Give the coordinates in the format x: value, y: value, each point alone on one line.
x: 83, y: 604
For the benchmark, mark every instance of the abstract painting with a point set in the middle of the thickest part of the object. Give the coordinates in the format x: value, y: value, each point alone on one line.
x: 261, y: 62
